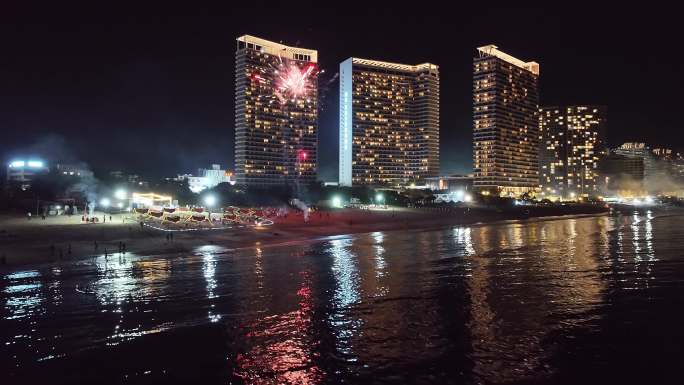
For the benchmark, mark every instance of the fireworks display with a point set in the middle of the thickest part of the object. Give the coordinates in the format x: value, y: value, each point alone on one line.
x: 293, y: 82
x: 290, y: 81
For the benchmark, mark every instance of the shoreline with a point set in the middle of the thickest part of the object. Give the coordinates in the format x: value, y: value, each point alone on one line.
x: 24, y: 242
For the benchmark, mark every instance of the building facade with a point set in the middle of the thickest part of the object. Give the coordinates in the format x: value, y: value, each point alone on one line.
x: 505, y: 123
x: 451, y: 183
x: 276, y: 113
x: 571, y: 140
x: 642, y: 152
x: 23, y: 172
x: 619, y: 173
x: 209, y: 177
x: 389, y: 123
x: 77, y: 170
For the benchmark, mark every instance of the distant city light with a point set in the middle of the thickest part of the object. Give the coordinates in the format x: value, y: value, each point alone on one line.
x: 379, y: 198
x: 467, y: 198
x: 35, y: 164
x: 120, y: 205
x: 105, y: 202
x: 337, y: 201
x: 120, y: 194
x: 17, y: 163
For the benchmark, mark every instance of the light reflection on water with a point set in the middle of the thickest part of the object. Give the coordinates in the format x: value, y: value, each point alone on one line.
x: 535, y: 301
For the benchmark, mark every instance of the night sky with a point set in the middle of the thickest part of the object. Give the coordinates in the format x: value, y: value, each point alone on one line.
x: 150, y: 90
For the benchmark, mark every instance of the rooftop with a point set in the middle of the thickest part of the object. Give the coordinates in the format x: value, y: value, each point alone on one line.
x: 273, y: 48
x: 492, y: 50
x: 394, y: 66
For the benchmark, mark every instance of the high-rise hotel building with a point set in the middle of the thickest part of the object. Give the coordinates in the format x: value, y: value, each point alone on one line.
x: 505, y: 123
x: 572, y: 138
x: 276, y: 113
x: 389, y: 122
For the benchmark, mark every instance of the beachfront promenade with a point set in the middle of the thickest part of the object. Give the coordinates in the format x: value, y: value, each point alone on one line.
x: 24, y: 241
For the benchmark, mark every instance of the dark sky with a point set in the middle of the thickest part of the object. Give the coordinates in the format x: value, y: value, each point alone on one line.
x: 150, y: 90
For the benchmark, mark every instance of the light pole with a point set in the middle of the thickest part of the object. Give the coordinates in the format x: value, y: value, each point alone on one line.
x: 209, y: 201
x: 105, y: 202
x: 379, y: 198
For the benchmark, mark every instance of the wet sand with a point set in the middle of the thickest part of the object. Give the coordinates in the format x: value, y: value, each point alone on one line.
x: 26, y: 242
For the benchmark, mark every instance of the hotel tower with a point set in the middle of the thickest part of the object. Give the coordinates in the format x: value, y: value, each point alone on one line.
x: 276, y: 113
x: 505, y: 123
x: 572, y: 138
x: 389, y: 123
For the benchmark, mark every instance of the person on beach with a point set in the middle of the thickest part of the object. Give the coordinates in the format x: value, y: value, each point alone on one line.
x: 61, y: 255
x: 171, y: 236
x: 28, y: 215
x: 95, y: 245
x: 69, y: 249
x: 52, y: 250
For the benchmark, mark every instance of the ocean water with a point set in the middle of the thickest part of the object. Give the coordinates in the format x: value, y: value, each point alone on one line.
x: 572, y: 300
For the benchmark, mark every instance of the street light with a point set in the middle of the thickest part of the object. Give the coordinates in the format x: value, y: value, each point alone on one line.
x: 379, y: 198
x: 105, y: 202
x: 209, y: 200
x: 120, y: 194
x: 337, y: 201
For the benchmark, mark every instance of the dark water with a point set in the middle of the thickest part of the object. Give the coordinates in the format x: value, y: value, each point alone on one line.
x: 585, y: 300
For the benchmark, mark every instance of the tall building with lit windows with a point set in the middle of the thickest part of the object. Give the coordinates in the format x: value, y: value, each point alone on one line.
x: 276, y: 113
x: 389, y: 122
x: 505, y: 123
x: 572, y: 138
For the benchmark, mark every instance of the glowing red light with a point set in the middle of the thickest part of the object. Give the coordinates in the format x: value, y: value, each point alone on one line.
x: 301, y: 155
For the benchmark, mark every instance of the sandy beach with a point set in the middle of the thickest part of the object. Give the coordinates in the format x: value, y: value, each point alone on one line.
x: 24, y: 241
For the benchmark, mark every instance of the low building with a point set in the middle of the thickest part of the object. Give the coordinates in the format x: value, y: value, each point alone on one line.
x: 208, y: 178
x: 452, y: 183
x: 76, y: 170
x: 22, y: 172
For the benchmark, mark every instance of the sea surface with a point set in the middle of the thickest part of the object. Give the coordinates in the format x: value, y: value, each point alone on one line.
x: 571, y: 300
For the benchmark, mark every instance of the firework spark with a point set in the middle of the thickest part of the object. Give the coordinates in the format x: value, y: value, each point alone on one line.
x: 293, y: 82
